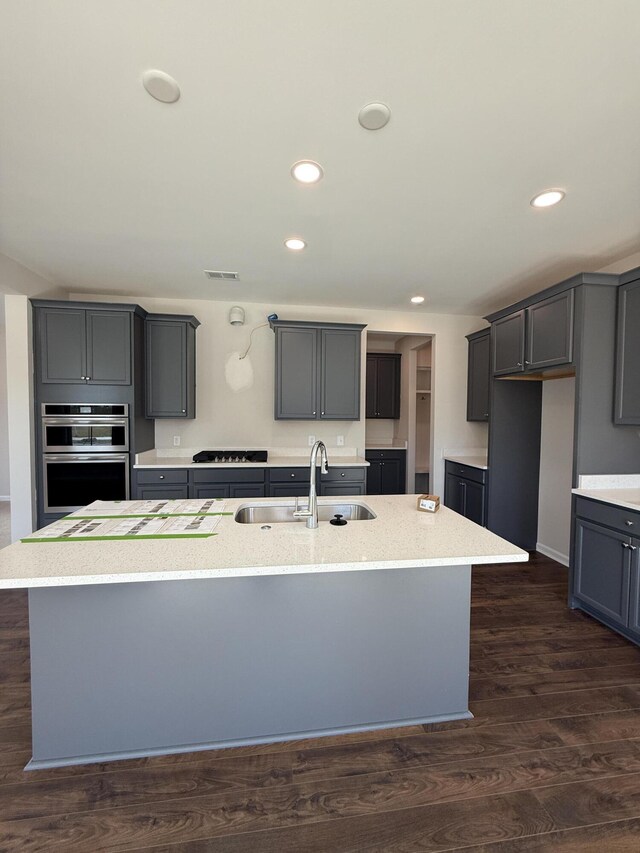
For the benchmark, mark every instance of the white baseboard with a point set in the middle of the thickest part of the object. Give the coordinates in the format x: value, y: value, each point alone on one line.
x: 5, y: 497
x: 552, y: 553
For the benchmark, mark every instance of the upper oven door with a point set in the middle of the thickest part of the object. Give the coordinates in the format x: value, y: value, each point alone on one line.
x: 108, y: 435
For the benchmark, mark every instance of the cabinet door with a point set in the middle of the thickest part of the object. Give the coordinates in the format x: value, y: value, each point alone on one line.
x: 109, y: 347
x: 374, y: 478
x: 296, y: 392
x: 453, y: 494
x: 507, y: 336
x: 634, y: 603
x: 250, y: 490
x: 627, y: 406
x: 220, y: 490
x: 602, y: 570
x: 392, y: 477
x: 550, y: 332
x: 342, y: 490
x: 289, y: 490
x: 152, y: 493
x: 473, y: 496
x: 478, y: 377
x: 371, y: 397
x: 62, y: 350
x: 340, y: 374
x: 388, y: 387
x: 166, y: 369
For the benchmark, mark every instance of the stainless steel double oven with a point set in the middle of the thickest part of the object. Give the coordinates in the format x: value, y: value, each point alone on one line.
x: 85, y: 454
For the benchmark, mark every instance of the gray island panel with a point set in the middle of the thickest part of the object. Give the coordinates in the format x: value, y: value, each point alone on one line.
x: 122, y: 670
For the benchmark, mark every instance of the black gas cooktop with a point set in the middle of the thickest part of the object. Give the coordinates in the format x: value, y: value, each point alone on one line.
x: 233, y: 456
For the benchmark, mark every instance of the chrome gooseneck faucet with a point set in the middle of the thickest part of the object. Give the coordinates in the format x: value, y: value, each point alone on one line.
x: 311, y: 512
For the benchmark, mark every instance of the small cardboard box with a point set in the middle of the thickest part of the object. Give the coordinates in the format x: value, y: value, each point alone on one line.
x: 428, y: 503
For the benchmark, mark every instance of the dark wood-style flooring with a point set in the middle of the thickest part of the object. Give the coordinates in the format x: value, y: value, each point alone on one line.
x: 550, y: 762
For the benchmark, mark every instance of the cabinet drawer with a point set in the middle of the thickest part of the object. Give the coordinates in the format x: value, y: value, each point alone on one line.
x: 373, y: 455
x: 339, y: 475
x: 289, y: 475
x: 153, y: 493
x: 228, y: 475
x: 624, y: 520
x: 478, y: 475
x: 149, y: 476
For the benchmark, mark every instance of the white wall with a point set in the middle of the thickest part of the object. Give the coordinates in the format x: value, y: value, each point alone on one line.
x: 556, y: 464
x: 227, y: 417
x: 4, y: 422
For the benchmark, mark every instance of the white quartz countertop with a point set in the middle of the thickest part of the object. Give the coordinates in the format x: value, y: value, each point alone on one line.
x: 274, y: 461
x: 471, y: 461
x: 399, y: 537
x: 627, y: 498
x: 398, y: 445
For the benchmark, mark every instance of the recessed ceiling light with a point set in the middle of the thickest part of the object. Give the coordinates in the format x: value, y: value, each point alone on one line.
x: 417, y: 300
x: 295, y: 244
x: 307, y: 171
x: 547, y: 198
x: 160, y: 86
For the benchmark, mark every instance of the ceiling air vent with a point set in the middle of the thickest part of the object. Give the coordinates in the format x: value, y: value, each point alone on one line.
x: 222, y: 275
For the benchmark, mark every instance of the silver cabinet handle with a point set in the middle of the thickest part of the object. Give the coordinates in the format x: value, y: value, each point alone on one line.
x: 625, y: 545
x: 87, y: 377
x: 629, y: 523
x: 342, y: 474
x: 314, y: 413
x: 184, y: 410
x: 292, y: 475
x: 519, y: 364
x: 161, y: 476
x: 322, y: 413
x: 527, y: 362
x: 633, y: 547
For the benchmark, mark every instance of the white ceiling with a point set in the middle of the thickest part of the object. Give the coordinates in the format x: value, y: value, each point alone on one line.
x: 104, y: 189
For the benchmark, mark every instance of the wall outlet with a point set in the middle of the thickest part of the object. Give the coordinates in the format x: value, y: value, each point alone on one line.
x: 340, y: 441
x: 311, y: 440
x: 176, y: 441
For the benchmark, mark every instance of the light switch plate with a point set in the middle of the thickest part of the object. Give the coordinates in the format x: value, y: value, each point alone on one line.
x: 176, y: 441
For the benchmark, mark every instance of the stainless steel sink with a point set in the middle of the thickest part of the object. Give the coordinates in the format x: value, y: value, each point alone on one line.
x: 264, y: 513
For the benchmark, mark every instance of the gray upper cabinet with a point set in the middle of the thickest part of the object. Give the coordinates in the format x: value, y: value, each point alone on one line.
x: 536, y: 337
x: 317, y: 374
x: 383, y: 385
x: 478, y: 375
x: 507, y: 335
x: 627, y: 401
x: 170, y: 366
x: 79, y: 346
x: 550, y: 332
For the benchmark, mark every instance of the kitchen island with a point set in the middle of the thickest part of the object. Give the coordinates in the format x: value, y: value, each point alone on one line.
x: 258, y: 633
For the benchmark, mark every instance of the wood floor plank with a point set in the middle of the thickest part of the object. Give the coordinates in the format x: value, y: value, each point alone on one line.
x: 598, y: 801
x: 482, y: 687
x: 294, y: 824
x: 555, y: 661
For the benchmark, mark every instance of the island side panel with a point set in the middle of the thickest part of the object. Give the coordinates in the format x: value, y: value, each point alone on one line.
x: 139, y: 668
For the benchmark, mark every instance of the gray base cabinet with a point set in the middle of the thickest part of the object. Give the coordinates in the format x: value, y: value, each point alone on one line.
x: 170, y: 358
x: 605, y: 569
x: 465, y: 491
x: 387, y: 472
x: 478, y: 375
x: 317, y: 371
x: 245, y: 482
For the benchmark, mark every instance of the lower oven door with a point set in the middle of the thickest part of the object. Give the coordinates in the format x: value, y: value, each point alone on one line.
x: 73, y: 480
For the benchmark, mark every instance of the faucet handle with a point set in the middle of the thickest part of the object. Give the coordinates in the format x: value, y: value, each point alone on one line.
x: 301, y: 513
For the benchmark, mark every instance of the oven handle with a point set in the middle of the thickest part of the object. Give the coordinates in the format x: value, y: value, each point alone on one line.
x: 89, y: 420
x: 86, y: 457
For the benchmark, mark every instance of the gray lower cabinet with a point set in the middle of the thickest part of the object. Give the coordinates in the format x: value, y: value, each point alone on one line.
x: 534, y: 338
x: 79, y: 346
x: 627, y: 401
x: 317, y: 371
x: 170, y: 366
x: 168, y: 492
x: 160, y: 483
x: 387, y: 472
x: 478, y: 375
x: 465, y: 491
x: 605, y: 569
